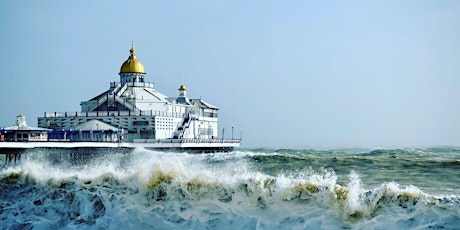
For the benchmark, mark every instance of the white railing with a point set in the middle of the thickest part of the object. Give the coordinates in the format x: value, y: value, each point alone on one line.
x: 127, y: 104
x: 116, y: 86
x: 140, y: 84
x: 118, y: 94
x: 112, y: 114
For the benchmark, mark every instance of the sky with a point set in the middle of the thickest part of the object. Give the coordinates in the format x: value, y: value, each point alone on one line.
x: 284, y: 74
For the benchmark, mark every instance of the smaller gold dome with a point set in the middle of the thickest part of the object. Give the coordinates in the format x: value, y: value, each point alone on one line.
x: 182, y: 87
x: 132, y: 65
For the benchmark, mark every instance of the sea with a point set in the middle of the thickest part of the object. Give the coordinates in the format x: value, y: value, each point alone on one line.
x: 243, y: 189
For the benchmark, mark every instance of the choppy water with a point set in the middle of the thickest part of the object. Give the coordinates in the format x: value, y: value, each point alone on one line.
x: 244, y: 189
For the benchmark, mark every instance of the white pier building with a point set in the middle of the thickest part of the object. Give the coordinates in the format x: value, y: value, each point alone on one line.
x: 143, y: 114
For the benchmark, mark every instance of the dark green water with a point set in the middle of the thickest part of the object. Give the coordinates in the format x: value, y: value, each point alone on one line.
x: 434, y: 170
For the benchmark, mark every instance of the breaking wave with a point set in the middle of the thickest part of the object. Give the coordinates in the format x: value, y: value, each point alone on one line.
x: 237, y: 190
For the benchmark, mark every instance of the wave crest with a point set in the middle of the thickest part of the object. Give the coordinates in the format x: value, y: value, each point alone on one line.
x: 209, y: 190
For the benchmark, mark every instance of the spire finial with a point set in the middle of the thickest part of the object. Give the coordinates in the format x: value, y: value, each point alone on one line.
x: 182, y: 86
x: 132, y: 50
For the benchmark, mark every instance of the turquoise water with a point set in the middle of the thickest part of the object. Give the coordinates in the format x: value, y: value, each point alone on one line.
x: 243, y: 189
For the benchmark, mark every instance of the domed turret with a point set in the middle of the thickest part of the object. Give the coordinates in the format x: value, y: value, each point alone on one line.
x: 182, y: 88
x: 182, y: 91
x: 132, y: 69
x: 21, y: 121
x: 132, y: 65
x: 182, y: 99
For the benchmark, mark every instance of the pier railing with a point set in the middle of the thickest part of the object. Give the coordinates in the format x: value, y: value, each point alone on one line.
x: 112, y: 114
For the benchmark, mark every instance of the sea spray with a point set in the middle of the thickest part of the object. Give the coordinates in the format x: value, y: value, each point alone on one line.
x: 242, y: 189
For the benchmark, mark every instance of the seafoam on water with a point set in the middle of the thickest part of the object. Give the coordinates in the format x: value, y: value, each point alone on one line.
x: 244, y: 189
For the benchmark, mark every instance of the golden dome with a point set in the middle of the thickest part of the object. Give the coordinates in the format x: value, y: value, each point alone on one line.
x: 132, y: 65
x: 182, y: 87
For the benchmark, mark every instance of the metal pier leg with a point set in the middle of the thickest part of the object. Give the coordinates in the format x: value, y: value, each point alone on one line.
x: 12, y: 157
x: 7, y: 155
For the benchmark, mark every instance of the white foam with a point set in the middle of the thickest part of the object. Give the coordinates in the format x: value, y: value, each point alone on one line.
x: 165, y: 189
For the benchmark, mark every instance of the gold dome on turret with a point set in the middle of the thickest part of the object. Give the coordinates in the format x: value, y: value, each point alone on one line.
x: 132, y: 65
x: 182, y: 87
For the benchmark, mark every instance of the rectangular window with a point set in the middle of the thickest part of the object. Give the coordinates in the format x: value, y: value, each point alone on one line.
x: 140, y: 123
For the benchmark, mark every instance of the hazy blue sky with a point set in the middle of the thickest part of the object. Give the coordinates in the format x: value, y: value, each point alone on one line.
x: 321, y: 74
